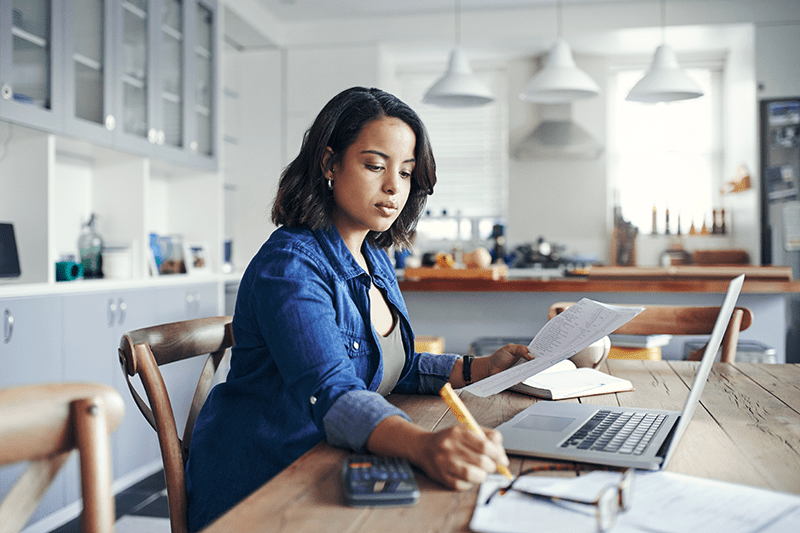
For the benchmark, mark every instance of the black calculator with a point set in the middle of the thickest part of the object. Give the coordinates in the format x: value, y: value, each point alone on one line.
x: 369, y: 480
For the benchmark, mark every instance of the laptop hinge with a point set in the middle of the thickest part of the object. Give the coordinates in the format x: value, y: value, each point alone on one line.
x: 662, y: 451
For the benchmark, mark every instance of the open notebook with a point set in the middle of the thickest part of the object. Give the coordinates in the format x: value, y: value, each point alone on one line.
x: 564, y: 380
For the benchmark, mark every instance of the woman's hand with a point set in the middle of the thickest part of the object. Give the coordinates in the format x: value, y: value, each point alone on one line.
x: 506, y: 357
x: 459, y: 458
x: 456, y: 457
x: 483, y: 367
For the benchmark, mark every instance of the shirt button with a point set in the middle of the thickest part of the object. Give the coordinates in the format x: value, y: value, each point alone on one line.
x: 313, y: 400
x: 355, y: 345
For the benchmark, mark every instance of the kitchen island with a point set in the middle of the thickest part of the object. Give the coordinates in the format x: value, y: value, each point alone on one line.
x: 462, y: 310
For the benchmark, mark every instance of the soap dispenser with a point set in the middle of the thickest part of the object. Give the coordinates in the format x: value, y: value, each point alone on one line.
x: 90, y: 246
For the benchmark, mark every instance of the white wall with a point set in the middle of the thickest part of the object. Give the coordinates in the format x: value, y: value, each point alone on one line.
x: 562, y: 200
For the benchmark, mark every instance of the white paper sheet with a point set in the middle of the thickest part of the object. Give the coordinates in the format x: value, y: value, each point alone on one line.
x: 662, y: 502
x: 563, y: 336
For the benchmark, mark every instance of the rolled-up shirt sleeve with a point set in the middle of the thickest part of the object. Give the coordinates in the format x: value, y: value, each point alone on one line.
x: 352, y: 417
x: 434, y: 371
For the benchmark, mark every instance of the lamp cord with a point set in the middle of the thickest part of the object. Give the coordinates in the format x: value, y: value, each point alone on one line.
x: 559, y: 18
x: 458, y: 23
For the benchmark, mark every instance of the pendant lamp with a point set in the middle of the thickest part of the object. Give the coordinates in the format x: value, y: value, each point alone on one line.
x: 665, y: 81
x: 458, y: 87
x: 560, y: 81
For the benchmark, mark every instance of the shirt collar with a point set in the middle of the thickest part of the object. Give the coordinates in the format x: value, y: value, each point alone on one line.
x: 342, y: 260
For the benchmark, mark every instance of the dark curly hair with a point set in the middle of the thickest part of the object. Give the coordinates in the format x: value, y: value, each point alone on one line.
x: 303, y: 199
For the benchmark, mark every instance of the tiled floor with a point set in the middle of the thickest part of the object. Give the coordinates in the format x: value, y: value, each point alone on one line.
x: 140, y: 509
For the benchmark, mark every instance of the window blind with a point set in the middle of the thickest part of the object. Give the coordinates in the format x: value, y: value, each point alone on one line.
x: 470, y: 146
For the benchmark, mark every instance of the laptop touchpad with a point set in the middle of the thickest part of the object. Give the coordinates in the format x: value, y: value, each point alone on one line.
x: 544, y: 423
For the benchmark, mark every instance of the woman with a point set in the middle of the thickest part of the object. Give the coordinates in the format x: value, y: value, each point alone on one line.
x: 322, y: 332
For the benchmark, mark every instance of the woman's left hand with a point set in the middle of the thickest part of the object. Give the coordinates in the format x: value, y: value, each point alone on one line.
x: 506, y: 357
x: 483, y: 367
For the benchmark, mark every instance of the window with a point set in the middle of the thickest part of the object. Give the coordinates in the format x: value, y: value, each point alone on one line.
x: 666, y: 155
x: 471, y: 150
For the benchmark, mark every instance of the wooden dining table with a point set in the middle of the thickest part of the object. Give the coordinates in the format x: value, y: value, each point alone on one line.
x: 746, y: 431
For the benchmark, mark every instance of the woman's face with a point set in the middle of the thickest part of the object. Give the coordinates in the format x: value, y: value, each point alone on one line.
x: 372, y: 180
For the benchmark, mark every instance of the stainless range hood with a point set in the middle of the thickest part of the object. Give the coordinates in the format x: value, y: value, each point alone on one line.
x: 557, y: 137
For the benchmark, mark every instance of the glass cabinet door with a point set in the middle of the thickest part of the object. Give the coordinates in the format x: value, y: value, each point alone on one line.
x: 204, y: 64
x: 88, y: 69
x: 28, y: 36
x: 171, y: 70
x: 136, y: 121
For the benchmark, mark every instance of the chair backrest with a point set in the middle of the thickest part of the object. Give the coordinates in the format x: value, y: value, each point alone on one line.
x: 682, y: 320
x: 42, y: 424
x: 141, y: 352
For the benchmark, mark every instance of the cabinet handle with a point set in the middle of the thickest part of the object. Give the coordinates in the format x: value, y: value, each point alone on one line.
x: 162, y: 137
x: 112, y: 312
x: 123, y: 307
x: 8, y: 326
x: 152, y: 135
x: 192, y: 303
x: 111, y: 122
x: 6, y: 91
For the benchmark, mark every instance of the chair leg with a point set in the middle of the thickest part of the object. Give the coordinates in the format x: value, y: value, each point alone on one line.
x: 91, y: 439
x: 24, y: 497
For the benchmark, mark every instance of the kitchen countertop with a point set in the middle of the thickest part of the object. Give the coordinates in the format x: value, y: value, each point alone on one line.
x: 688, y: 279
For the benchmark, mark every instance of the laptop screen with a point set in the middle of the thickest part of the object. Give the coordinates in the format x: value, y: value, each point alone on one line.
x: 725, y: 312
x: 9, y: 260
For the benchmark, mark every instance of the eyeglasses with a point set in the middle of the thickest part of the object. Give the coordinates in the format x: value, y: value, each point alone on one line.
x: 609, y: 502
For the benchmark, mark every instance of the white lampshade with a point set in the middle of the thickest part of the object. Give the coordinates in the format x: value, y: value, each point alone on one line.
x: 665, y: 81
x: 560, y: 81
x: 458, y: 87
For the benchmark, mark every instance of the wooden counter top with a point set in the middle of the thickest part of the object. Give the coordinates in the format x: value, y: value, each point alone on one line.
x: 758, y: 280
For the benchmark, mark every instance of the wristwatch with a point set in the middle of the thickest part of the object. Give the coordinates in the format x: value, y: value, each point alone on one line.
x: 468, y: 368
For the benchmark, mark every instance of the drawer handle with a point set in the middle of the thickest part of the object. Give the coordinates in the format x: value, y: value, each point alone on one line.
x: 123, y: 307
x: 112, y: 312
x: 8, y: 326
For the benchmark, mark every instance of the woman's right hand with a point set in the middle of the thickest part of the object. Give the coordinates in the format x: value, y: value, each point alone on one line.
x: 456, y: 457
x: 460, y: 458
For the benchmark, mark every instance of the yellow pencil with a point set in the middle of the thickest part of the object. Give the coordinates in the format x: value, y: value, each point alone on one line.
x: 465, y: 417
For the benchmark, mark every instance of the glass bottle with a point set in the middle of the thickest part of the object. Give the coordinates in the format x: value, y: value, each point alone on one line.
x: 90, y: 246
x: 655, y: 220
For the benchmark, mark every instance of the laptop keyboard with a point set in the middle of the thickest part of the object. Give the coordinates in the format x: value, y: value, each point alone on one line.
x: 617, y: 432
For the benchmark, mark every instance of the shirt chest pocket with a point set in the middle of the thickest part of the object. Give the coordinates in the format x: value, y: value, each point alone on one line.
x: 358, y: 350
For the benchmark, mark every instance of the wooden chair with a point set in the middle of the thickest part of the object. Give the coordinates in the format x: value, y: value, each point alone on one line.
x: 682, y: 320
x: 141, y: 352
x: 42, y: 424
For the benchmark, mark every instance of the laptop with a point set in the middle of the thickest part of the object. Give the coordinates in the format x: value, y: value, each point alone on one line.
x: 614, y: 436
x: 9, y: 261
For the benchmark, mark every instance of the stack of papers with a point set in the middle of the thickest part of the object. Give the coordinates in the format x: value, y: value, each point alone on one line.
x: 639, y: 341
x: 660, y: 501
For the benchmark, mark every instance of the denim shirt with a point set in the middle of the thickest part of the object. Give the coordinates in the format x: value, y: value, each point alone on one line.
x: 305, y: 367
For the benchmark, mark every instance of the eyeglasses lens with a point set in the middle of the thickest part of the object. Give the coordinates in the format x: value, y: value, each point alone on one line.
x: 607, y: 508
x: 625, y: 490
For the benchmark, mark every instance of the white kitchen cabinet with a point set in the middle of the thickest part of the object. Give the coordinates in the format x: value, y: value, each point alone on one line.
x: 30, y: 352
x: 186, y: 302
x: 89, y: 70
x: 30, y: 71
x: 138, y: 75
x: 165, y: 86
x: 93, y: 326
